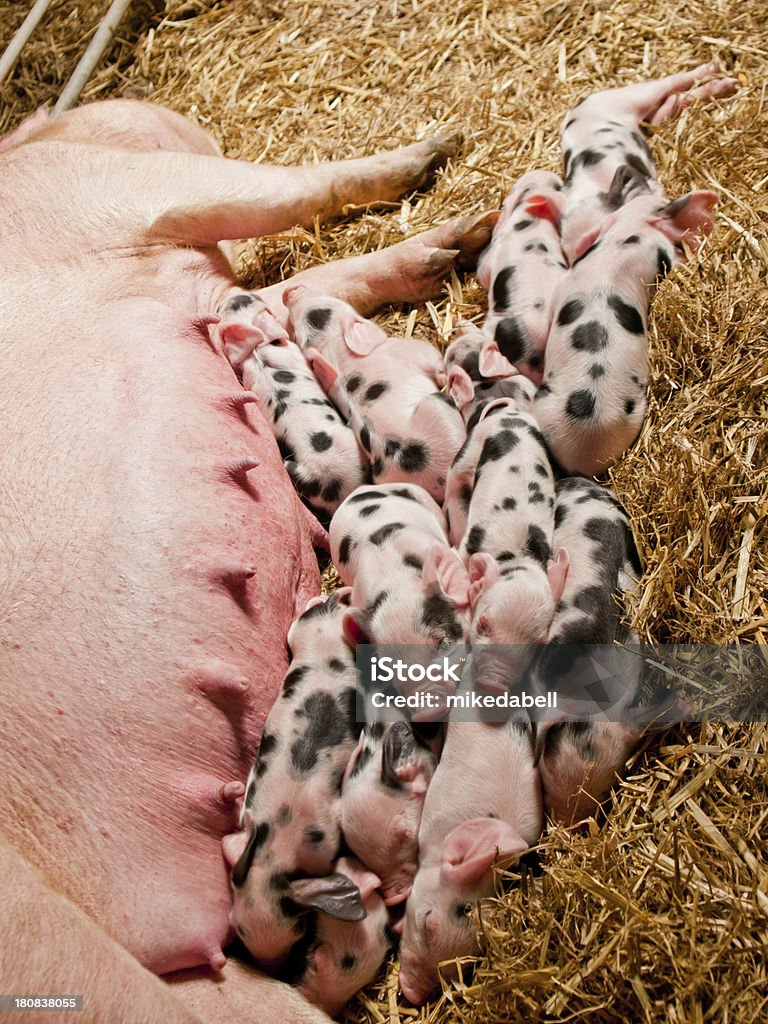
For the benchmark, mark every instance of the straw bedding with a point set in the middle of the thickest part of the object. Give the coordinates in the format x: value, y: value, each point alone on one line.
x: 660, y: 911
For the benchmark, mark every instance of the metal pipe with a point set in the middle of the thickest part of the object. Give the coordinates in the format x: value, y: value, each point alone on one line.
x: 21, y: 37
x: 101, y: 40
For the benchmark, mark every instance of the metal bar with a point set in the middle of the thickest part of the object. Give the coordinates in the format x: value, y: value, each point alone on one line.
x: 21, y: 38
x: 91, y: 57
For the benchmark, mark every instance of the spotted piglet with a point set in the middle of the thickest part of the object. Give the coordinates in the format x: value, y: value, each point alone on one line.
x: 521, y: 268
x: 382, y: 798
x: 501, y: 512
x: 472, y: 396
x: 389, y: 543
x: 387, y: 387
x: 476, y: 354
x: 578, y: 760
x: 336, y: 958
x: 281, y: 859
x: 591, y: 403
x: 321, y: 454
x: 483, y: 805
x: 605, y: 153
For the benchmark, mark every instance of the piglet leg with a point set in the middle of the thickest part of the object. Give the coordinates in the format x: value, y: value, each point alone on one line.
x: 657, y: 101
x: 718, y: 89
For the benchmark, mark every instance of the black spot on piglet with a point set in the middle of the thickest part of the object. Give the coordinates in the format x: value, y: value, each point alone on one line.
x: 580, y: 405
x: 627, y: 315
x: 321, y: 441
x: 589, y: 337
x: 511, y: 338
x: 537, y: 545
x: 365, y: 494
x: 663, y: 263
x: 590, y: 157
x: 239, y: 302
x: 570, y: 311
x: 497, y: 446
x: 318, y: 318
x: 292, y: 680
x: 345, y: 547
x: 413, y: 457
x: 475, y: 540
x: 332, y: 490
x: 502, y: 286
x: 413, y: 562
x: 439, y: 617
x: 325, y: 727
x: 375, y: 391
x: 378, y: 537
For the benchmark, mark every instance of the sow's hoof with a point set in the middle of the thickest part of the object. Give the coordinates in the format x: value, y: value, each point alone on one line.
x: 427, y: 258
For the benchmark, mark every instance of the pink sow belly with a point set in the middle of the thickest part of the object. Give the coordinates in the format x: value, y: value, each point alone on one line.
x: 138, y: 659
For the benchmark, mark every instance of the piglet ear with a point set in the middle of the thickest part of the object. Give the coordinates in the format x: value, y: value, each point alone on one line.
x: 483, y: 272
x: 469, y: 851
x: 356, y: 625
x: 336, y: 895
x: 363, y: 336
x: 444, y: 567
x: 585, y: 241
x: 401, y: 760
x: 326, y: 375
x: 542, y: 727
x: 483, y: 571
x: 365, y: 879
x: 239, y: 340
x: 460, y: 386
x: 496, y: 404
x: 492, y: 363
x: 270, y: 327
x: 546, y: 205
x: 233, y: 846
x: 689, y: 219
x: 557, y: 572
x: 247, y: 850
x: 626, y: 182
x: 353, y: 759
x: 290, y: 292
